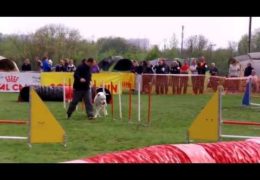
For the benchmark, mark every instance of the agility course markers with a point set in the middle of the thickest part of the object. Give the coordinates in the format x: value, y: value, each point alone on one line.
x: 208, y: 124
x: 246, y: 101
x: 43, y: 127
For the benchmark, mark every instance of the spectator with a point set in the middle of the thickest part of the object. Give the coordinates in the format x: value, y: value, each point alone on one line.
x: 175, y: 69
x: 45, y: 64
x: 184, y: 79
x: 134, y: 66
x: 95, y: 68
x: 71, y: 67
x: 26, y: 65
x: 213, y: 70
x: 147, y: 76
x: 50, y: 63
x: 254, y: 81
x: 233, y: 72
x: 201, y: 68
x: 66, y: 62
x: 61, y: 66
x: 248, y: 70
x: 213, y: 80
x: 162, y: 80
x: 194, y: 77
x: 38, y: 63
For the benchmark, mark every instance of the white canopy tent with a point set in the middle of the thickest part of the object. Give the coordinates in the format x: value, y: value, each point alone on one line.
x: 253, y: 58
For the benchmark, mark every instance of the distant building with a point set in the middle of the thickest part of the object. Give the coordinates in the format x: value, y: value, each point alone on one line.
x: 141, y: 43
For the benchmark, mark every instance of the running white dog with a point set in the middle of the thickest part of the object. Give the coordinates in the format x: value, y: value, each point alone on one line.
x: 100, y: 102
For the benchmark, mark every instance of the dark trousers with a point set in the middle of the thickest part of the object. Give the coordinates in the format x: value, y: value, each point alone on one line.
x: 77, y: 97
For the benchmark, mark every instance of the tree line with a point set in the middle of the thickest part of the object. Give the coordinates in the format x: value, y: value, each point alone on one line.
x: 60, y: 42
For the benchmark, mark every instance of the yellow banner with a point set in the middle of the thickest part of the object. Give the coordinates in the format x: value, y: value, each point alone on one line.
x: 110, y: 80
x: 56, y: 78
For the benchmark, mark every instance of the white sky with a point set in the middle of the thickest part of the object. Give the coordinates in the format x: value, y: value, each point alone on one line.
x: 219, y: 30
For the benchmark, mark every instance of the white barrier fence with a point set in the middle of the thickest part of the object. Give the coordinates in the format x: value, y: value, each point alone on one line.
x: 14, y: 81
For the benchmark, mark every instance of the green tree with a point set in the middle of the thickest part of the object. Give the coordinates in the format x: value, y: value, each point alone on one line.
x: 243, y: 45
x: 153, y: 53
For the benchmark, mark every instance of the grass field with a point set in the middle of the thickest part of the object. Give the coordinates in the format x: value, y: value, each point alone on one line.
x: 171, y: 116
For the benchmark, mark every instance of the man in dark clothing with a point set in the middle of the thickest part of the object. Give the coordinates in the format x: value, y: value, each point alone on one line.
x: 147, y: 77
x: 61, y: 66
x: 213, y: 80
x: 26, y: 65
x: 161, y: 85
x: 81, y: 88
x: 248, y: 70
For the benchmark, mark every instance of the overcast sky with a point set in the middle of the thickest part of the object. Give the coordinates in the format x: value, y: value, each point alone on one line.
x: 219, y: 30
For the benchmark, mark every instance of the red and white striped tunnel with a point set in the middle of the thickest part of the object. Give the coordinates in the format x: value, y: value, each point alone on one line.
x: 247, y: 151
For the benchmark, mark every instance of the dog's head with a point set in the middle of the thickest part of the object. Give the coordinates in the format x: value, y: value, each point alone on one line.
x: 100, y: 98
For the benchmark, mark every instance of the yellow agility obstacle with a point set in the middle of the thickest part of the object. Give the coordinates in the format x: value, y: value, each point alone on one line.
x: 207, y: 125
x: 43, y: 127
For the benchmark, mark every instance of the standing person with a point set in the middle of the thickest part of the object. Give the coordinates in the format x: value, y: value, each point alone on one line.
x: 234, y: 72
x: 95, y: 67
x: 201, y: 68
x: 147, y: 76
x: 175, y: 69
x: 254, y: 81
x: 213, y: 80
x: 71, y: 67
x: 81, y: 88
x: 61, y: 66
x: 26, y: 65
x: 184, y: 79
x: 248, y: 70
x: 162, y: 80
x: 194, y: 76
x: 38, y: 63
x: 45, y: 64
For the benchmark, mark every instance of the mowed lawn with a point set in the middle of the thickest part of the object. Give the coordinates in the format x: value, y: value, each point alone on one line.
x: 171, y: 116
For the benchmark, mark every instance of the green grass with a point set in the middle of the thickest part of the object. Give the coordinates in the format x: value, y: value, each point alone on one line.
x: 171, y: 117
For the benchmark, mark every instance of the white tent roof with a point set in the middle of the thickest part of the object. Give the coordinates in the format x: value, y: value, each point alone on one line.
x: 253, y: 58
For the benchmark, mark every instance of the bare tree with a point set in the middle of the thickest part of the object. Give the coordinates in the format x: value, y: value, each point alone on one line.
x: 173, y: 42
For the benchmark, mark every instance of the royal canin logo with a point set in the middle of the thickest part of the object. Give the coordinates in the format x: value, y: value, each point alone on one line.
x: 12, y: 79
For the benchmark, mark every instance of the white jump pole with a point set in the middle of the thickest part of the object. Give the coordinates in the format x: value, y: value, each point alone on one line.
x: 119, y: 99
x: 103, y: 87
x: 220, y: 120
x: 139, y: 100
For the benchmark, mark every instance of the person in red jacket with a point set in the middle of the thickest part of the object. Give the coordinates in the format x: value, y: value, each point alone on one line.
x: 184, y: 79
x: 201, y: 68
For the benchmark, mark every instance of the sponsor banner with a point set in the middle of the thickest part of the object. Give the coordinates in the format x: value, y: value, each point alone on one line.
x: 56, y: 78
x: 98, y: 79
x: 15, y: 81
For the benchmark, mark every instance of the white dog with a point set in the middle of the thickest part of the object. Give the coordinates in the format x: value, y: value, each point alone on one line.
x: 100, y: 102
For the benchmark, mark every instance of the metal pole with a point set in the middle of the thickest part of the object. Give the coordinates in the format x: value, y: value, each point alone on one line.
x: 249, y: 34
x: 130, y: 105
x: 139, y: 101
x: 182, y: 35
x: 119, y: 99
x: 220, y: 91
